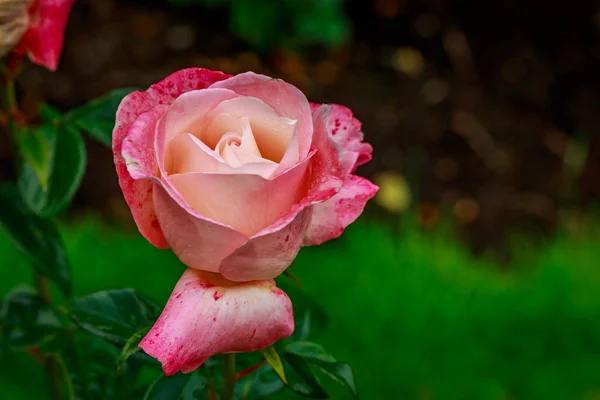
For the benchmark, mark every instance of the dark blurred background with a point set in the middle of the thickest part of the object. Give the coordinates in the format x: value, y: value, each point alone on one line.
x: 487, y: 109
x: 484, y: 116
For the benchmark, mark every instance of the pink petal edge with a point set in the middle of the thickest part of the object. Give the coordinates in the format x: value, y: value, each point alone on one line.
x: 138, y: 193
x: 331, y: 217
x: 208, y: 315
x: 346, y: 131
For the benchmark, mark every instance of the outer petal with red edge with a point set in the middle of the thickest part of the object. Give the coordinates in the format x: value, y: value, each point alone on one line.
x: 208, y: 315
x: 346, y: 132
x: 331, y: 217
x: 43, y: 41
x: 138, y: 189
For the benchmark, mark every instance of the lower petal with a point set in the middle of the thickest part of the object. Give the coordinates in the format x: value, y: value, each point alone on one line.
x: 208, y: 315
x: 268, y: 255
x: 198, y: 242
x: 332, y: 216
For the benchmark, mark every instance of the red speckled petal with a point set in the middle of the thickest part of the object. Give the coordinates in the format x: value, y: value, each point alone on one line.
x: 346, y: 132
x: 43, y: 41
x: 332, y: 216
x: 138, y: 189
x: 279, y: 243
x: 287, y: 100
x: 208, y: 315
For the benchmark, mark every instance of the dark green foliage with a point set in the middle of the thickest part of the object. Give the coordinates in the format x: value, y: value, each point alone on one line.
x: 266, y: 24
x: 37, y: 238
x: 48, y: 183
x: 411, y: 312
x: 97, y: 118
x: 116, y: 315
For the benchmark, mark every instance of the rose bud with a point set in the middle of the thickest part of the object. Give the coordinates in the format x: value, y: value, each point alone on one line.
x: 35, y: 28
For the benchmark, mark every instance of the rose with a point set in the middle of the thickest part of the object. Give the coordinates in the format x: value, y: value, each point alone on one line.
x: 35, y: 28
x: 234, y: 174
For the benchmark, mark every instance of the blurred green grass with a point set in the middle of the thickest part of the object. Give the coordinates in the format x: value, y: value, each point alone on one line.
x: 413, y: 313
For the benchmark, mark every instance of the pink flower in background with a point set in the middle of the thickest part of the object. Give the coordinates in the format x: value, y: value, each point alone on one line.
x: 235, y: 174
x: 35, y: 28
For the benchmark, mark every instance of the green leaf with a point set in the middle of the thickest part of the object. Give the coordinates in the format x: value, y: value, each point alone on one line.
x: 64, y: 165
x: 342, y: 373
x: 37, y: 238
x: 309, y: 351
x: 317, y: 356
x: 88, y: 365
x: 255, y: 22
x: 50, y: 114
x: 35, y: 149
x: 273, y: 359
x: 178, y: 387
x: 97, y: 118
x: 115, y: 315
x: 25, y: 319
x: 263, y: 383
x: 131, y: 346
x: 301, y: 378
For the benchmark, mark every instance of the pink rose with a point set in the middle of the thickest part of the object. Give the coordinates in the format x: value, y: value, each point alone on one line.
x: 35, y: 28
x: 235, y: 174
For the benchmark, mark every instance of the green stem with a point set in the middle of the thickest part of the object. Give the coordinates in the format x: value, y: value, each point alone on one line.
x: 42, y: 284
x: 9, y: 105
x: 10, y: 95
x: 228, y: 376
x: 212, y: 394
x: 51, y: 365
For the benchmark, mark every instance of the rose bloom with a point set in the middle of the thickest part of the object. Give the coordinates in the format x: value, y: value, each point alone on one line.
x: 235, y: 174
x: 35, y: 28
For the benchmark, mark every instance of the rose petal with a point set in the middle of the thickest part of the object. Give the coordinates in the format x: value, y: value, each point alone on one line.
x: 178, y: 225
x: 187, y: 115
x: 247, y: 143
x: 135, y: 165
x: 332, y: 216
x: 136, y: 190
x: 327, y: 172
x: 287, y: 101
x: 346, y: 132
x: 248, y: 203
x: 279, y: 243
x: 197, y: 241
x: 189, y: 154
x: 43, y: 41
x: 272, y: 133
x: 277, y: 250
x: 208, y: 315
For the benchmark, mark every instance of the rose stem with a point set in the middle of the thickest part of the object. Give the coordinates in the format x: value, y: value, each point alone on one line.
x: 42, y: 284
x: 228, y: 376
x: 51, y: 366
